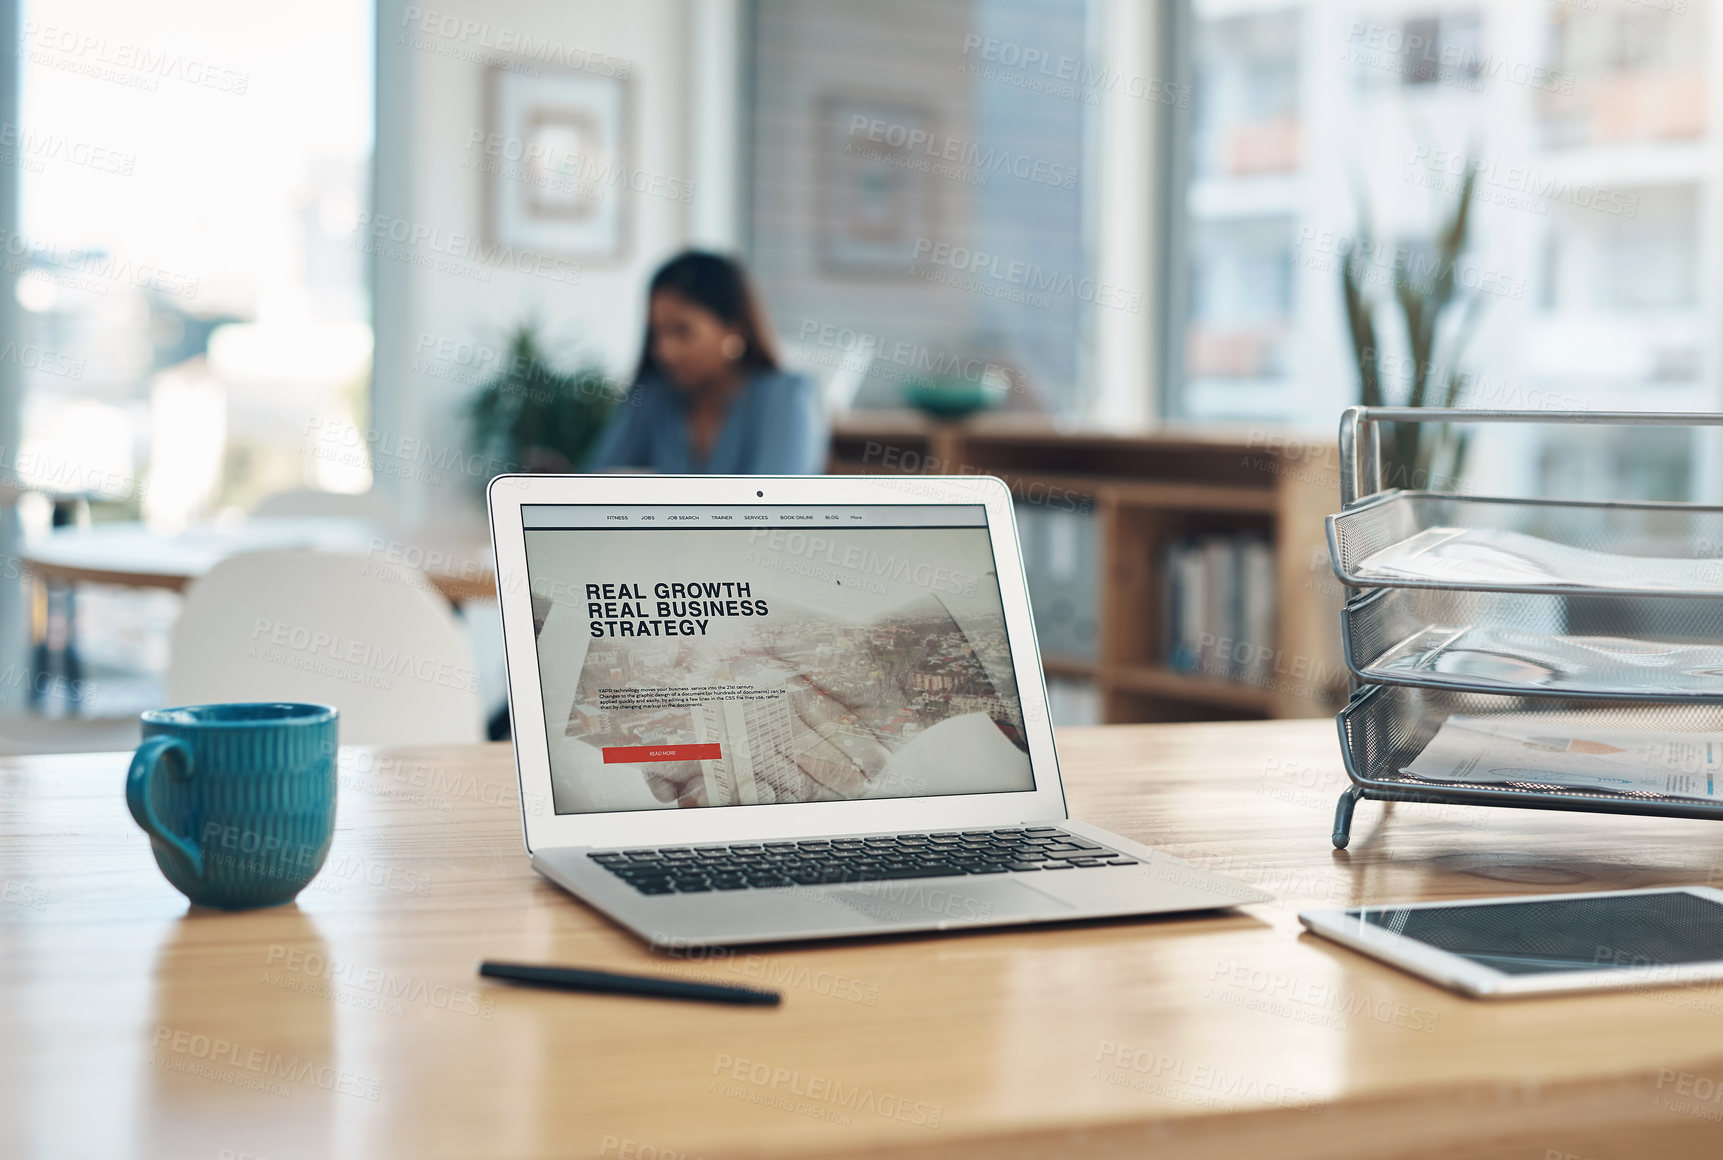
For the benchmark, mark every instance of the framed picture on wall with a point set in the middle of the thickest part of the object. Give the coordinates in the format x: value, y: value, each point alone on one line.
x: 556, y: 162
x: 873, y: 197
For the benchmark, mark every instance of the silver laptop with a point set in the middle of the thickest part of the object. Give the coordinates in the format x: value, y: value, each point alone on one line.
x: 753, y: 709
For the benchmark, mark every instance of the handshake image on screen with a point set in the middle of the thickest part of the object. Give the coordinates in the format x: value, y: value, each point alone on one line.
x: 802, y: 707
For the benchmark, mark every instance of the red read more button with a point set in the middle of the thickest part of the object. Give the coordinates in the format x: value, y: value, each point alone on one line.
x: 634, y: 754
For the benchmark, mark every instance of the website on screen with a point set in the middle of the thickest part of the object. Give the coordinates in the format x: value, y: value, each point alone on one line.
x: 730, y: 656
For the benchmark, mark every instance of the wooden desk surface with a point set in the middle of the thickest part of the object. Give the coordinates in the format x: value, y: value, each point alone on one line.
x: 353, y: 1024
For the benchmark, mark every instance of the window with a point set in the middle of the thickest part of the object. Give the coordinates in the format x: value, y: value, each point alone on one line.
x: 191, y: 173
x: 1327, y: 128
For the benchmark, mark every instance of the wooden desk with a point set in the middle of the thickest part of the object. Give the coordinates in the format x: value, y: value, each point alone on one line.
x: 353, y: 1024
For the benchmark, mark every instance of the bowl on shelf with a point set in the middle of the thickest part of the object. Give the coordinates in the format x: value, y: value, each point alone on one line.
x: 952, y: 396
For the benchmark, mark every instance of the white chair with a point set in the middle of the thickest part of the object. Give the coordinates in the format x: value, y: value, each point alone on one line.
x: 372, y: 639
x: 367, y: 506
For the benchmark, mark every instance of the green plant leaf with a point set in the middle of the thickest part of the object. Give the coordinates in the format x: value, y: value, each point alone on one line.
x: 531, y: 416
x: 1425, y: 300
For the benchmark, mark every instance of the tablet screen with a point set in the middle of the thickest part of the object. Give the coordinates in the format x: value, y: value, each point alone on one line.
x: 1626, y: 931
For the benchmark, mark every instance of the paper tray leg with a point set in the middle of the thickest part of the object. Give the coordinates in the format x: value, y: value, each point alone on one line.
x: 1343, y: 815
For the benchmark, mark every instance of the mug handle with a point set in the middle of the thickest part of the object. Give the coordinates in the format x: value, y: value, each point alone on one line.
x: 144, y: 763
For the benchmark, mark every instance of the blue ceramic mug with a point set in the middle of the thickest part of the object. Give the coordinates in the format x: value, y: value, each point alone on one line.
x: 238, y: 800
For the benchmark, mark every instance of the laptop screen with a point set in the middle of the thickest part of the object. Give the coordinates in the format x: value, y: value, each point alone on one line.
x: 733, y: 656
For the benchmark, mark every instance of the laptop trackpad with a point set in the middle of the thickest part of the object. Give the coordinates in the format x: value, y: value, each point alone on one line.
x: 953, y: 901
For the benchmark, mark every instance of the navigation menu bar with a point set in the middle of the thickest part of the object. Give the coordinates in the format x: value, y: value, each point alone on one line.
x: 752, y: 515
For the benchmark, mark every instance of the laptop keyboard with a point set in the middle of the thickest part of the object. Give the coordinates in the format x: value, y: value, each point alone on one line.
x: 825, y: 861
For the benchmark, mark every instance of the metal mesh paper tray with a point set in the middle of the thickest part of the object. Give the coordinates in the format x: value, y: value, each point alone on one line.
x: 1386, y: 727
x: 1578, y: 645
x: 1648, y: 549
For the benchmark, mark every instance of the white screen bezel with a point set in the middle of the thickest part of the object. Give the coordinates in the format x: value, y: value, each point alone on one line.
x: 545, y: 829
x: 1482, y: 982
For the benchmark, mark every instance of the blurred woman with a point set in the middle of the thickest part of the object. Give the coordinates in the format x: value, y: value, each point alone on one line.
x: 709, y: 395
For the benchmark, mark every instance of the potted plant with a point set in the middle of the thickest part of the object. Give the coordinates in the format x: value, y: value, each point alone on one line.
x: 1439, y: 319
x: 530, y: 416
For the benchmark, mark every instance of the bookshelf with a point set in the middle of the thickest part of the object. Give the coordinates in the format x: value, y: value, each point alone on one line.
x: 1143, y: 494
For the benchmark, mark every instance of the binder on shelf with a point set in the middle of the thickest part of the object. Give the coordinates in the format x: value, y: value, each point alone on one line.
x: 1258, y: 611
x: 1216, y: 556
x: 1060, y: 564
x: 1219, y: 607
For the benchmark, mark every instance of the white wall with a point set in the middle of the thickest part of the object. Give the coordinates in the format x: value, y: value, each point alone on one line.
x: 898, y: 53
x: 950, y: 70
x: 680, y: 62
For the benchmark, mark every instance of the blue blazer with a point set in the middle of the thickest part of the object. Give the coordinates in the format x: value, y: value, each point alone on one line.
x: 776, y: 426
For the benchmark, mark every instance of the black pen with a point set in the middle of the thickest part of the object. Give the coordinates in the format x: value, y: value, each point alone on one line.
x: 605, y: 982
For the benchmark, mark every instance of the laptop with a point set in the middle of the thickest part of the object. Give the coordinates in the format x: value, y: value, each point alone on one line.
x: 758, y: 709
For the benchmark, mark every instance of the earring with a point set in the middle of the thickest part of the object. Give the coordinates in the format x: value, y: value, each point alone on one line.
x: 734, y: 346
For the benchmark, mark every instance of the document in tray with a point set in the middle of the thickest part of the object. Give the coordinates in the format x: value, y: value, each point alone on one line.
x: 1462, y: 556
x: 1551, y: 750
x: 1519, y: 658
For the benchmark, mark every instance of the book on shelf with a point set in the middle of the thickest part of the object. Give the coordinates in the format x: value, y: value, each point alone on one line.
x: 1218, y: 607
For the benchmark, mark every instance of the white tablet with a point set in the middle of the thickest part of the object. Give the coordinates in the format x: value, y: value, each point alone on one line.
x: 1542, y: 944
